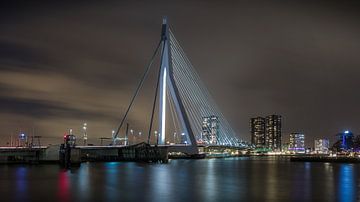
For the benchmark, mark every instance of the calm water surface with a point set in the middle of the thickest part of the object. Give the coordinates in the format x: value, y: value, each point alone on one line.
x: 231, y: 179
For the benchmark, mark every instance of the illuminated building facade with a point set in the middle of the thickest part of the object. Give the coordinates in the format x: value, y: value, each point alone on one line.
x: 273, y: 132
x: 257, y: 129
x: 210, y: 129
x: 297, y: 143
x: 321, y: 146
x: 346, y: 139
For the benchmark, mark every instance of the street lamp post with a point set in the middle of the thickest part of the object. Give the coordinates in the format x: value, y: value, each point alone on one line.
x: 132, y: 134
x: 156, y: 137
x: 85, y: 134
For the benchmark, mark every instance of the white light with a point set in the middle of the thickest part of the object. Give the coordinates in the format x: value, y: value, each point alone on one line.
x: 346, y: 132
x: 163, y: 108
x: 182, y: 134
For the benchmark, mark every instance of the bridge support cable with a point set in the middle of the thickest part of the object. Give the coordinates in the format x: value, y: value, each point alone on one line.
x: 141, y: 82
x: 196, y: 97
x: 203, y: 106
x: 155, y: 98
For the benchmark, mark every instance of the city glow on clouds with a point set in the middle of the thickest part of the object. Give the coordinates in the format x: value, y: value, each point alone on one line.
x: 66, y: 64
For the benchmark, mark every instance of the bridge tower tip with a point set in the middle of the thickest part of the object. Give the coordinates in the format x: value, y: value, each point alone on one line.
x: 165, y: 20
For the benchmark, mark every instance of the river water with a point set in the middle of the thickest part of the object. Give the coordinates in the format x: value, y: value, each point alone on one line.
x: 230, y: 179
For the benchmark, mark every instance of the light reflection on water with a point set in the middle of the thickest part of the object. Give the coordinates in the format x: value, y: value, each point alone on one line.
x: 64, y: 186
x: 21, y: 183
x: 238, y: 179
x: 346, y: 183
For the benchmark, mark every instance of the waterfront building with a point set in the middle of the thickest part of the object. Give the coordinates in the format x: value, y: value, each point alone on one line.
x: 345, y: 141
x: 257, y: 129
x: 321, y: 146
x: 297, y: 143
x: 273, y: 132
x: 210, y: 129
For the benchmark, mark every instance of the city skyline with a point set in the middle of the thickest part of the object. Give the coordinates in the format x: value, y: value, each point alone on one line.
x: 80, y: 63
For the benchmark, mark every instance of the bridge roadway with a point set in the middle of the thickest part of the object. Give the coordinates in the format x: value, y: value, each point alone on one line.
x: 171, y: 147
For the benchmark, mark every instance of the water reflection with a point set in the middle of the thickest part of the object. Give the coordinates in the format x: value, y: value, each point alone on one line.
x: 329, y: 180
x: 346, y: 183
x: 112, y: 180
x: 307, y: 180
x: 21, y: 183
x: 183, y: 180
x: 84, y: 181
x: 210, y: 181
x: 63, y: 186
x: 161, y: 184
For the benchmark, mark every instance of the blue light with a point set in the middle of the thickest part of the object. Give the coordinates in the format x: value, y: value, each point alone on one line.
x: 346, y: 183
x: 22, y: 136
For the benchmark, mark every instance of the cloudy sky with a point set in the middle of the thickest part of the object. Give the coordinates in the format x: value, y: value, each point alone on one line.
x: 63, y: 64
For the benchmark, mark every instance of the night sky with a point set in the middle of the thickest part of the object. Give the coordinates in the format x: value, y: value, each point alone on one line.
x: 64, y: 63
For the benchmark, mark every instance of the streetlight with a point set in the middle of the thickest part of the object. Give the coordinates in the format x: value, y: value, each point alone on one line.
x: 85, y: 134
x: 132, y: 134
x: 156, y: 136
x: 22, y: 138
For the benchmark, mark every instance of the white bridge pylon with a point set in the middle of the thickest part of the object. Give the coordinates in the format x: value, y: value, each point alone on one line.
x: 167, y: 82
x: 193, y: 110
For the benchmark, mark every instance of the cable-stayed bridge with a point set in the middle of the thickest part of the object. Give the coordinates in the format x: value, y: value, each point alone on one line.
x: 181, y: 105
x: 182, y: 101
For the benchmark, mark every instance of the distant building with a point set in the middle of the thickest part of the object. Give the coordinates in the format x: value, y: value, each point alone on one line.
x: 257, y: 129
x: 285, y: 147
x: 210, y: 129
x: 273, y: 132
x: 321, y: 146
x: 297, y: 143
x: 346, y: 140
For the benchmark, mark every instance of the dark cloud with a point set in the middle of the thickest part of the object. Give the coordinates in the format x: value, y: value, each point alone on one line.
x: 62, y: 63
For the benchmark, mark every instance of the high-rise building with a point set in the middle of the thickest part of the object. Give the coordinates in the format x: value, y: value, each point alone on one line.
x: 210, y: 129
x: 346, y: 140
x: 257, y: 129
x: 321, y: 146
x: 273, y: 132
x: 297, y: 143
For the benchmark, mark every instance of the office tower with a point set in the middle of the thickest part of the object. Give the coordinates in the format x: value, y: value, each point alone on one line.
x: 257, y: 129
x: 210, y: 129
x: 273, y: 132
